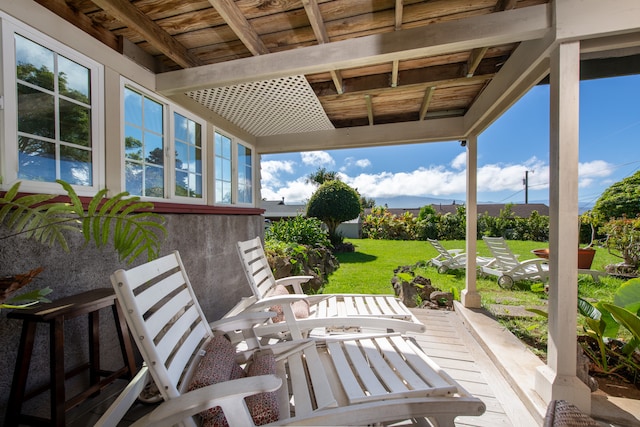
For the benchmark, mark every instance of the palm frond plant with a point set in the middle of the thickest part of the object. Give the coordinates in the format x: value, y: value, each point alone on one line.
x: 125, y: 222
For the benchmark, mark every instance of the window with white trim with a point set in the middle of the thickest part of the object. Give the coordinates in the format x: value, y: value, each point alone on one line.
x: 52, y: 113
x: 164, y: 148
x: 233, y: 171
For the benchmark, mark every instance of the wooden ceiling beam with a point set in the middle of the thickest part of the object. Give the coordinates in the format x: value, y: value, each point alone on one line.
x: 436, y: 39
x: 236, y: 20
x: 433, y: 130
x: 133, y: 18
x: 478, y: 53
x: 399, y: 11
x: 394, y: 73
x: 82, y: 21
x: 447, y: 75
x: 320, y: 31
x: 367, y: 99
x: 428, y: 94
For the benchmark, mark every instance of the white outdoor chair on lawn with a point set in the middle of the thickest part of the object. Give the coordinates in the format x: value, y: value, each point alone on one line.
x: 329, y: 313
x: 344, y: 380
x: 452, y: 259
x: 508, y: 269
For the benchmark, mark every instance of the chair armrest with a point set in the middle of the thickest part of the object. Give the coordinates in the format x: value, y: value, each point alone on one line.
x: 294, y: 282
x: 119, y: 408
x: 244, y: 320
x: 229, y: 395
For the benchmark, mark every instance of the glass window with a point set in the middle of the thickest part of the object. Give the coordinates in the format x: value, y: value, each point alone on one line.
x: 143, y: 145
x: 54, y: 115
x: 223, y: 188
x: 245, y: 174
x: 188, y: 149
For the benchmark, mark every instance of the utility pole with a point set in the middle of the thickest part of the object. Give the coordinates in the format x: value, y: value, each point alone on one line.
x: 525, y: 182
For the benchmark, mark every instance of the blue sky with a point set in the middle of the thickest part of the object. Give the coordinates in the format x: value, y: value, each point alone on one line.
x: 517, y: 142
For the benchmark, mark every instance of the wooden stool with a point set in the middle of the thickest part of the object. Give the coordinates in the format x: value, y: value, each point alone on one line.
x: 55, y: 314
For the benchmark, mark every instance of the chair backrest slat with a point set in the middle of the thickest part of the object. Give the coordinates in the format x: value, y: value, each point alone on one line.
x: 505, y: 258
x: 165, y: 318
x: 256, y: 267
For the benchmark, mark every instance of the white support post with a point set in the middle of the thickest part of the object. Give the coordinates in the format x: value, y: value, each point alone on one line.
x: 470, y: 297
x: 558, y: 380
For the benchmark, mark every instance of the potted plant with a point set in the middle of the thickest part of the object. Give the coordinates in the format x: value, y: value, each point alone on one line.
x: 126, y: 222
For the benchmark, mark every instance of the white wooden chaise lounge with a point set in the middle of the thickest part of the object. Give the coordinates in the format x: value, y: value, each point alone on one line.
x: 342, y: 380
x: 329, y: 313
x: 453, y: 258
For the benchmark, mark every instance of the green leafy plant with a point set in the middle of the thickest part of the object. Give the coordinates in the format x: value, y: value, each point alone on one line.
x: 333, y: 203
x: 135, y: 230
x: 301, y: 230
x: 124, y: 221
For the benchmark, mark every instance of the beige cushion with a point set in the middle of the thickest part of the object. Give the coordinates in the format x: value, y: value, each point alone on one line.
x: 300, y: 308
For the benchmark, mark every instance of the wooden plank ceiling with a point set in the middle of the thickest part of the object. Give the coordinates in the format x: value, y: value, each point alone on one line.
x: 180, y: 34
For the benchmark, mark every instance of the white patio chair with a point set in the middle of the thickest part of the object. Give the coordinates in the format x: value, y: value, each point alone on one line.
x: 326, y: 313
x: 508, y: 269
x: 344, y: 380
x: 452, y: 259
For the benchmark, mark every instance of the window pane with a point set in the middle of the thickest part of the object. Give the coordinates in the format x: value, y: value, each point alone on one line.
x: 73, y: 79
x: 36, y: 112
x: 75, y: 123
x: 182, y: 156
x: 133, y: 143
x: 34, y: 63
x: 154, y: 181
x: 152, y: 115
x: 181, y: 125
x: 198, y: 160
x: 134, y: 177
x: 37, y: 160
x: 133, y: 107
x: 153, y: 148
x: 75, y: 165
x: 182, y: 184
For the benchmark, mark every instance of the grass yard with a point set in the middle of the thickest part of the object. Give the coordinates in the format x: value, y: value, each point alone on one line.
x: 370, y: 268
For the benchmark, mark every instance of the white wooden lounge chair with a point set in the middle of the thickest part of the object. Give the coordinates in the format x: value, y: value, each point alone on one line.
x: 508, y: 269
x: 326, y: 313
x: 344, y: 380
x: 452, y: 259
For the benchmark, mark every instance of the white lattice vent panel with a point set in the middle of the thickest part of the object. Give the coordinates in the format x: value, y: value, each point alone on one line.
x: 270, y: 107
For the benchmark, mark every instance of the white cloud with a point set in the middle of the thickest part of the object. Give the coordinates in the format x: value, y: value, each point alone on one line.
x: 293, y: 192
x: 270, y: 170
x: 460, y: 162
x: 442, y: 181
x: 317, y: 158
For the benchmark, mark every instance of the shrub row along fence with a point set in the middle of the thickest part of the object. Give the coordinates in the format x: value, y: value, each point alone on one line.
x: 429, y: 224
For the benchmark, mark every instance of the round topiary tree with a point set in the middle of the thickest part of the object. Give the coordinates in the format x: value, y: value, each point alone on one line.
x: 622, y: 199
x: 334, y: 203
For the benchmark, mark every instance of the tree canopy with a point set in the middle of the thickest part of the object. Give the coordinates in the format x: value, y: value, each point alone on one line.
x: 321, y: 176
x: 622, y: 199
x: 333, y: 203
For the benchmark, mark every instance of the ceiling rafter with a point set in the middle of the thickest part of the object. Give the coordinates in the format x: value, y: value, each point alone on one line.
x: 367, y: 99
x: 62, y: 9
x: 399, y: 6
x: 428, y: 94
x: 477, y: 54
x: 320, y: 31
x: 133, y: 18
x: 234, y: 18
x: 435, y: 39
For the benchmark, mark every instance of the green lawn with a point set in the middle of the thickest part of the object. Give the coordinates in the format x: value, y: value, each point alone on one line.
x: 370, y: 268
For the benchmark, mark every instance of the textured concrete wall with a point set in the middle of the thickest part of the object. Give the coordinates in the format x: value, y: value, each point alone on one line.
x: 207, y: 247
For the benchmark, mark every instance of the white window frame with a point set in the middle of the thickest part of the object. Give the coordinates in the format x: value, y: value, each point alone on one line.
x: 168, y: 131
x: 236, y: 176
x: 8, y: 114
x: 235, y: 142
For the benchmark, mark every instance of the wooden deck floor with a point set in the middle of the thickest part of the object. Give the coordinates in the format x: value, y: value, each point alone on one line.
x: 451, y: 346
x: 446, y: 341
